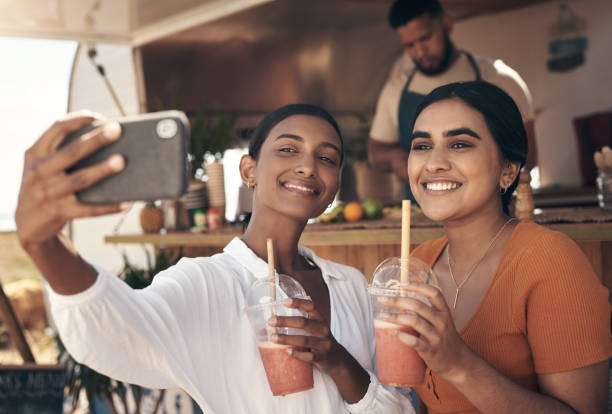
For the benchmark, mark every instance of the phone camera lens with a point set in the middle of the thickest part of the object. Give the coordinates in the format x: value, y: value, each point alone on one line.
x: 166, y: 128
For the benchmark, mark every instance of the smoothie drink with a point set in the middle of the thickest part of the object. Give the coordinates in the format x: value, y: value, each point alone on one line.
x: 399, y: 365
x: 285, y: 374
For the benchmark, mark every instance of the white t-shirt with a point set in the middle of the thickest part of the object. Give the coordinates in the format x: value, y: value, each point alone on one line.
x: 385, y: 125
x: 188, y: 330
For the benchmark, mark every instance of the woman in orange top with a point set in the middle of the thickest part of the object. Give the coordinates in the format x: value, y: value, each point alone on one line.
x: 520, y: 322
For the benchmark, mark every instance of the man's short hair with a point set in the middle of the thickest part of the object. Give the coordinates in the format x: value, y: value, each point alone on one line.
x: 403, y: 11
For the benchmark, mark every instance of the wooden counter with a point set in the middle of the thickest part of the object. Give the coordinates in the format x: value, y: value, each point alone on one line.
x: 366, y: 243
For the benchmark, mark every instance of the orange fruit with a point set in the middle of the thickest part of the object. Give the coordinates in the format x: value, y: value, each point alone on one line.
x: 353, y: 211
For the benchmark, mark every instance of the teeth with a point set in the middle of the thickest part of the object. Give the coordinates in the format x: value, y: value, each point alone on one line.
x: 441, y: 186
x: 299, y: 187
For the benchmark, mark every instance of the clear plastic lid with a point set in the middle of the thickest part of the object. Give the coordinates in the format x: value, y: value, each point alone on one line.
x: 386, y: 279
x: 260, y: 307
x: 286, y: 287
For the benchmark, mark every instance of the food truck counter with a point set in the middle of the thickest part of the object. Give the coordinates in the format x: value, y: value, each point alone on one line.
x: 364, y: 244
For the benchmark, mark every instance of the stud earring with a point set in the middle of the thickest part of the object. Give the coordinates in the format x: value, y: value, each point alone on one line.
x: 503, y: 190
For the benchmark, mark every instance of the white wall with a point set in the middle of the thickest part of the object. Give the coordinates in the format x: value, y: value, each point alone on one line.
x: 88, y: 91
x: 520, y: 38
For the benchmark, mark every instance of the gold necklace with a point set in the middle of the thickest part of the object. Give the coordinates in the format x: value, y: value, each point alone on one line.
x: 475, y: 265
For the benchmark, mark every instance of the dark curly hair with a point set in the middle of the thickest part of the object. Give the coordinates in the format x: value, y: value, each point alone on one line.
x: 403, y: 11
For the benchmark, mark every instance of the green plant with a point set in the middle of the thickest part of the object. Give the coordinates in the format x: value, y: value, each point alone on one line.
x: 82, y: 378
x: 358, y: 148
x: 211, y: 136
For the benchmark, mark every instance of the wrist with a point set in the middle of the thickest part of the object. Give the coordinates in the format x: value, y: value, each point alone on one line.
x: 34, y: 248
x: 349, y: 376
x: 465, y: 363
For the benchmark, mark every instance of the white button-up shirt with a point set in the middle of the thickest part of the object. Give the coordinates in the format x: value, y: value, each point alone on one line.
x: 188, y: 329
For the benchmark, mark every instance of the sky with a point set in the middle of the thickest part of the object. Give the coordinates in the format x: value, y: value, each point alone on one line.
x: 34, y: 80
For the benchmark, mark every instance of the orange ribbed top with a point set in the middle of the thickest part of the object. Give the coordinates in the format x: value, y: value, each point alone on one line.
x: 544, y: 311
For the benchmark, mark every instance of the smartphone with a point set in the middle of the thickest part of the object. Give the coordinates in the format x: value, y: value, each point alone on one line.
x: 154, y: 146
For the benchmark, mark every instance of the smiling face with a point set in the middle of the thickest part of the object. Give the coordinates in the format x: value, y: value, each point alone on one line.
x: 297, y: 172
x: 455, y: 166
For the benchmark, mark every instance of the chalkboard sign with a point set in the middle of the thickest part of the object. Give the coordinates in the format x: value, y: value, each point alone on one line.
x: 32, y: 389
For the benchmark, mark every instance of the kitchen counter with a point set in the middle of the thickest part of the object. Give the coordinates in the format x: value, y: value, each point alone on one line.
x: 365, y: 244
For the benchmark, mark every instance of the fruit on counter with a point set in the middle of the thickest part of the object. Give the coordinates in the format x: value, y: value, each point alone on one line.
x: 395, y: 212
x: 353, y: 211
x: 334, y: 216
x: 151, y: 218
x: 372, y: 209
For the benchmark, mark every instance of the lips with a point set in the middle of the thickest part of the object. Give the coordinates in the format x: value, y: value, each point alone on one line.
x: 301, y: 188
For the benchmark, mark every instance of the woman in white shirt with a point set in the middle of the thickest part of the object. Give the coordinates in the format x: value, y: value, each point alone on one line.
x: 188, y: 328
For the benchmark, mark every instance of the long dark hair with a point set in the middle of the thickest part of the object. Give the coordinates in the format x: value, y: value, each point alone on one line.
x: 501, y: 115
x: 262, y: 130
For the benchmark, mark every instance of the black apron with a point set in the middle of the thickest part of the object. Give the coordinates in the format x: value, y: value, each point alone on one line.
x: 407, y: 108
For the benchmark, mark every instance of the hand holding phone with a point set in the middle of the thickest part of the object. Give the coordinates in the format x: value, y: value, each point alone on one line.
x: 154, y: 147
x: 47, y: 198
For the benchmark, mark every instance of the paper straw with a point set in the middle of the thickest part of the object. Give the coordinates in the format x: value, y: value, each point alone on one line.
x: 405, y: 240
x: 271, y: 273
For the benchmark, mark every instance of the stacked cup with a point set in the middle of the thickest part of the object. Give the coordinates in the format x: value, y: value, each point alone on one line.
x: 285, y: 374
x: 194, y: 199
x: 215, y: 186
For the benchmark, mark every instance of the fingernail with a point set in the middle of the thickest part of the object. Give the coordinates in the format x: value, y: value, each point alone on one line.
x: 272, y: 321
x: 385, y: 315
x: 274, y: 337
x: 111, y: 130
x: 125, y: 205
x: 383, y: 299
x: 116, y: 162
x: 290, y: 351
x: 288, y: 301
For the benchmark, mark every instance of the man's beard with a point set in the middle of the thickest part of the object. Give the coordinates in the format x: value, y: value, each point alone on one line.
x: 449, y: 51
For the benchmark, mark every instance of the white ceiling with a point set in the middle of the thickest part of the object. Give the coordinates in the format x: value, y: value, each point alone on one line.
x: 138, y: 22
x: 134, y: 22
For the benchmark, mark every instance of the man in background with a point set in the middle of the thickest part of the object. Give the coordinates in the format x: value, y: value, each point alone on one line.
x: 430, y: 59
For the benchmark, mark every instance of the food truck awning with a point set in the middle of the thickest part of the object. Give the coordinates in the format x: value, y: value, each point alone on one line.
x: 138, y: 22
x: 133, y: 22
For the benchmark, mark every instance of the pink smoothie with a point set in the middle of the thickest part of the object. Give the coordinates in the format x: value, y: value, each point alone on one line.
x: 398, y: 364
x: 285, y: 374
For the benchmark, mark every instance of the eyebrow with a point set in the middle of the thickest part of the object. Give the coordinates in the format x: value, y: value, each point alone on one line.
x: 449, y: 133
x: 420, y: 134
x: 300, y: 139
x: 461, y: 131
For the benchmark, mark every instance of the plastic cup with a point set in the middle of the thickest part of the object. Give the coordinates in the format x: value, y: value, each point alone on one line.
x: 285, y: 374
x: 399, y: 365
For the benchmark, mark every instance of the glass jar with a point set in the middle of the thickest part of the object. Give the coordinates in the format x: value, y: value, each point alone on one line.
x: 604, y: 189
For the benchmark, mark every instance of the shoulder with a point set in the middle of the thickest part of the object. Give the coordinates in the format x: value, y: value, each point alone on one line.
x: 200, y: 273
x: 540, y: 254
x: 398, y: 75
x: 534, y: 240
